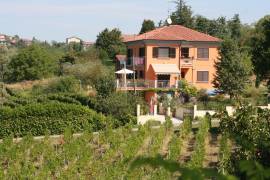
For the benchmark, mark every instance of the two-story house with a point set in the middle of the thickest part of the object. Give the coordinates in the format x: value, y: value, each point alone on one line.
x: 162, y: 57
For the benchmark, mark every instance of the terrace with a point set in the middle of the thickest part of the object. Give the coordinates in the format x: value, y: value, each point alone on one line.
x: 141, y: 84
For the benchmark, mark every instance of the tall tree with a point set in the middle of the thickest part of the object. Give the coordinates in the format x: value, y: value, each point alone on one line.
x: 147, y: 25
x: 235, y: 27
x: 216, y: 27
x: 31, y: 63
x: 233, y: 69
x: 202, y: 24
x: 110, y: 42
x: 260, y: 44
x: 182, y: 14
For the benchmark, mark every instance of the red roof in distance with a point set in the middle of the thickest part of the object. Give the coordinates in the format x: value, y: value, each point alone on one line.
x: 172, y: 33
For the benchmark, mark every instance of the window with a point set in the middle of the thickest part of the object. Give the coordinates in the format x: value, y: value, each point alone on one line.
x: 141, y: 52
x: 203, y: 53
x: 184, y: 52
x: 164, y: 52
x: 202, y: 76
x: 129, y: 56
x: 141, y: 75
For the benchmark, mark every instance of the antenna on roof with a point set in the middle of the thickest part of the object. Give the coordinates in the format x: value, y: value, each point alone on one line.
x: 169, y: 20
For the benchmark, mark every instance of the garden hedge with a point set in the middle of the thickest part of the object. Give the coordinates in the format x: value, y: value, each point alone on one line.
x: 52, y: 117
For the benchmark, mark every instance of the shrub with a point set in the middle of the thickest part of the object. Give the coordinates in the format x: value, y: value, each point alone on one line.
x: 88, y: 73
x: 121, y: 106
x: 187, y: 90
x: 31, y: 63
x: 256, y: 96
x: 203, y: 96
x: 64, y: 84
x: 54, y: 117
x: 63, y: 99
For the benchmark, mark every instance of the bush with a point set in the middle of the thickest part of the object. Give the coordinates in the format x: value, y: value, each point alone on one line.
x: 121, y: 106
x: 88, y: 73
x: 31, y: 63
x: 256, y: 96
x: 64, y: 84
x: 54, y: 117
x: 202, y: 96
x: 186, y: 90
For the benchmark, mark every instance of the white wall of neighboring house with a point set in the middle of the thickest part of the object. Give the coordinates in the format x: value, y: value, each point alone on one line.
x: 73, y: 40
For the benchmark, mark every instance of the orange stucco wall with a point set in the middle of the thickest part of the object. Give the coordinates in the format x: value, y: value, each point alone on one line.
x: 191, y: 71
x: 150, y: 60
x: 206, y: 65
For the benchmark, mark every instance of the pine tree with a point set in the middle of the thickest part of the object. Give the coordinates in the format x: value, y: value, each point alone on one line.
x: 182, y: 15
x: 233, y: 69
x: 147, y: 25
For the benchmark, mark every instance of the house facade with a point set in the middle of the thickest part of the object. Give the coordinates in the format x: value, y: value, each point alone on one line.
x: 162, y: 57
x: 73, y: 40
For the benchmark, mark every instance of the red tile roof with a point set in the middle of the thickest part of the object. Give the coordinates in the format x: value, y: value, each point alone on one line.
x: 172, y: 33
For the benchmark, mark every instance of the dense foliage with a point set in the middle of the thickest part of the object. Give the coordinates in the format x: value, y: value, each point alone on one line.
x: 120, y: 105
x: 233, y: 69
x: 250, y: 129
x: 52, y: 117
x: 182, y: 15
x: 260, y: 43
x: 31, y: 63
x: 147, y: 25
x: 110, y: 42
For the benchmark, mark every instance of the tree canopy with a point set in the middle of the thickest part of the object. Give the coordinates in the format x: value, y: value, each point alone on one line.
x: 110, y: 42
x: 260, y: 43
x: 147, y: 25
x: 31, y: 63
x: 233, y: 69
x: 182, y: 15
x: 235, y: 27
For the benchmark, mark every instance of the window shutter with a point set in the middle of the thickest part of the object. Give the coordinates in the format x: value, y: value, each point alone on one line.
x: 155, y: 52
x: 172, y: 52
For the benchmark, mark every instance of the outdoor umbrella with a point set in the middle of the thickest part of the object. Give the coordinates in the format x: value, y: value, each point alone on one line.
x: 125, y: 71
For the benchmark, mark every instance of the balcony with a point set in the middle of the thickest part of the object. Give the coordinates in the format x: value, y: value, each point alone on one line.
x: 138, y: 61
x: 145, y: 84
x: 186, y: 61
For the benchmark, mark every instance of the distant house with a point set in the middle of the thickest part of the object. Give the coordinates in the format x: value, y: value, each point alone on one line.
x: 87, y: 44
x: 27, y: 42
x: 3, y: 40
x: 73, y: 39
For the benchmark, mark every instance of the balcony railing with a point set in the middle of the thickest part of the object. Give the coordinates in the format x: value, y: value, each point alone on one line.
x: 186, y: 61
x: 146, y: 84
x: 137, y: 61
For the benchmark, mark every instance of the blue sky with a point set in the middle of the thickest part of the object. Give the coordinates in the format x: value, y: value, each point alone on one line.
x: 58, y: 19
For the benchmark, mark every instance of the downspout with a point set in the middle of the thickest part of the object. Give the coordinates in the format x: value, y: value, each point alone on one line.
x: 134, y: 73
x: 180, y: 60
